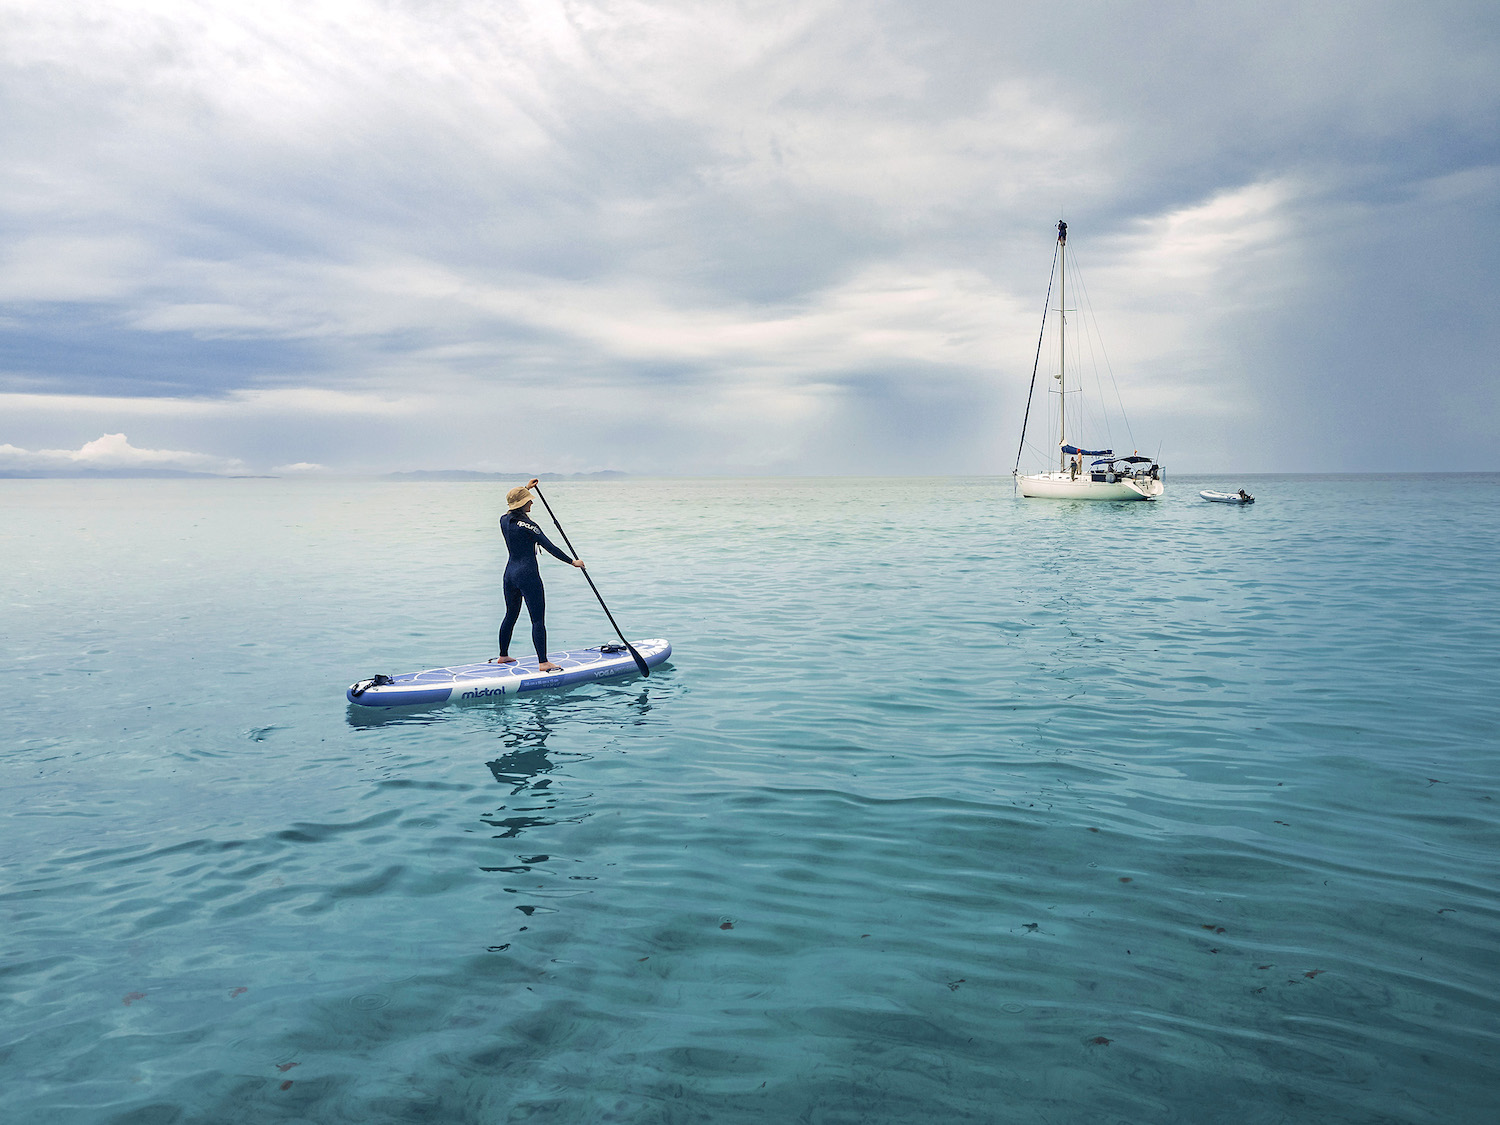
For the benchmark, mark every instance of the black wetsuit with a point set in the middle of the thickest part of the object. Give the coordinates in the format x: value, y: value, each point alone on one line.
x: 523, y: 580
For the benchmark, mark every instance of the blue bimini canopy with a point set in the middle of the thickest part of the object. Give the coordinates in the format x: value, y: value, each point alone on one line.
x: 1070, y: 449
x: 1134, y: 460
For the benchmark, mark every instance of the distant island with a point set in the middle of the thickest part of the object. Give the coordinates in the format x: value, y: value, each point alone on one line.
x: 467, y: 474
x: 178, y: 474
x: 123, y: 474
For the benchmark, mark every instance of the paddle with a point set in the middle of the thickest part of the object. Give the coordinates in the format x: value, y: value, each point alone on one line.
x: 639, y: 661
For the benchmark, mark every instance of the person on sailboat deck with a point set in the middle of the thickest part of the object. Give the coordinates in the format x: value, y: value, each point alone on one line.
x: 523, y: 579
x: 1077, y: 464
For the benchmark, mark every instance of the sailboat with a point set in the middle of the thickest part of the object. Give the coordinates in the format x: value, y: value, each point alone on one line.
x: 1081, y: 474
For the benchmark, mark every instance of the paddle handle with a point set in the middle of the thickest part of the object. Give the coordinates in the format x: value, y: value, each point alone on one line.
x: 640, y: 661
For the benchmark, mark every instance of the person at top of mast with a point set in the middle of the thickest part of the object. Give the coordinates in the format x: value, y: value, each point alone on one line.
x: 523, y: 578
x: 1062, y: 231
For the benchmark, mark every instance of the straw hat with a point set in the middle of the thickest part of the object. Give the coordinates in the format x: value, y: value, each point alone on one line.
x: 517, y: 498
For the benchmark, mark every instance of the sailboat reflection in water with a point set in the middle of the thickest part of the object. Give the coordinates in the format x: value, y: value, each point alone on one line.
x: 1081, y: 474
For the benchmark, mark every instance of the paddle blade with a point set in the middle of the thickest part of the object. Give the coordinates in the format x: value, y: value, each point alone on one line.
x: 639, y: 661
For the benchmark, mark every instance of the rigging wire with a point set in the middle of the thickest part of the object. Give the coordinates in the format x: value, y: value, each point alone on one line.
x: 1124, y: 417
x: 1092, y: 342
x: 1057, y: 248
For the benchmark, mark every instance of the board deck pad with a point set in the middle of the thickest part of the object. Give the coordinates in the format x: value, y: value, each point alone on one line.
x: 481, y: 683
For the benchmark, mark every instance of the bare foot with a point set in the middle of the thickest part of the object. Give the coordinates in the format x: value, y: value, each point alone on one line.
x: 502, y: 660
x: 548, y: 666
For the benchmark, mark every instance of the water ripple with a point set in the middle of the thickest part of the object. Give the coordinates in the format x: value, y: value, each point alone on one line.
x: 948, y: 802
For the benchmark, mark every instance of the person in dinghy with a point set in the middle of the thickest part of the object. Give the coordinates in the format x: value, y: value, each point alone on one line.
x: 523, y: 578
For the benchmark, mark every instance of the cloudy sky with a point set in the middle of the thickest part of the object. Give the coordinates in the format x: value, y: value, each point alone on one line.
x: 715, y: 237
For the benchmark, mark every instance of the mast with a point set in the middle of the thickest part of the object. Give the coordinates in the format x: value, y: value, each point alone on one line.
x: 1062, y: 346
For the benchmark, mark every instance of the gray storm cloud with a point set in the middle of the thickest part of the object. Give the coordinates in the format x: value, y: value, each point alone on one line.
x: 812, y: 237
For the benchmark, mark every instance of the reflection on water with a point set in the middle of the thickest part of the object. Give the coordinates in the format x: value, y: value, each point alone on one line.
x: 426, y: 716
x: 532, y: 802
x: 638, y: 699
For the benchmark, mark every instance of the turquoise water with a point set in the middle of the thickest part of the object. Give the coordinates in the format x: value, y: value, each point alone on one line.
x: 950, y: 807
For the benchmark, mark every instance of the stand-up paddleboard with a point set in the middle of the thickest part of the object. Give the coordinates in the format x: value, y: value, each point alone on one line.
x: 481, y: 683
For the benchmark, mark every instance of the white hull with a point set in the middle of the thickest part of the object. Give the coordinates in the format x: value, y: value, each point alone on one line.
x: 1063, y: 486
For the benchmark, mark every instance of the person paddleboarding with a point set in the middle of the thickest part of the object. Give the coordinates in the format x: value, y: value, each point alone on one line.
x: 523, y: 578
